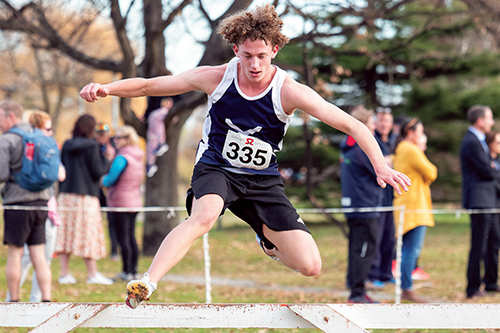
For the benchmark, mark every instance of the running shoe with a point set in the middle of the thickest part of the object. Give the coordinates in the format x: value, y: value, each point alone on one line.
x: 139, y: 291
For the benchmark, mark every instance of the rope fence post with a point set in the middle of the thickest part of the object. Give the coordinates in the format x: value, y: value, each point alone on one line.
x: 208, y: 278
x: 399, y: 252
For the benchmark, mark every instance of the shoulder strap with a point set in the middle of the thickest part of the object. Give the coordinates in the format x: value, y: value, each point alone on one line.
x: 17, y: 131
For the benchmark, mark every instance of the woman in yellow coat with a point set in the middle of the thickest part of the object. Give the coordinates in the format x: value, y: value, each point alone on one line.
x: 410, y: 159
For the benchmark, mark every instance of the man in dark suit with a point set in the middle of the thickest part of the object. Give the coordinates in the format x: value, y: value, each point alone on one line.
x: 478, y: 192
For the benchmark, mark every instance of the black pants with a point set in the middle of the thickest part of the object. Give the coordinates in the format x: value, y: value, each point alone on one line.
x: 362, y: 247
x: 124, y: 224
x: 382, y: 263
x: 485, y: 244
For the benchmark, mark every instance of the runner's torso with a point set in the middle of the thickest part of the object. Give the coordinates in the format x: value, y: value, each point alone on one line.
x: 243, y: 133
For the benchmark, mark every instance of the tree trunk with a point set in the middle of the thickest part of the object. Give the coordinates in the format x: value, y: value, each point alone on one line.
x: 162, y: 188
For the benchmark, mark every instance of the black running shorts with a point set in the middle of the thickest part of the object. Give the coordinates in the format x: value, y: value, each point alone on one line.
x: 255, y: 199
x: 25, y: 226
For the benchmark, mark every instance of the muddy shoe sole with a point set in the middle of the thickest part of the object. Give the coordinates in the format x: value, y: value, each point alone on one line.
x: 137, y: 292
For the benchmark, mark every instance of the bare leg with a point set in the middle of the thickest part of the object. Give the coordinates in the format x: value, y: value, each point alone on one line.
x: 296, y: 249
x: 42, y: 269
x: 64, y: 262
x: 13, y: 270
x: 174, y: 247
x: 91, y: 265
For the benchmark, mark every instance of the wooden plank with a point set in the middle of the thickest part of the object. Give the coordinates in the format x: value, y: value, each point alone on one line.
x: 326, y: 318
x: 58, y: 317
x: 69, y: 318
x: 422, y: 316
x: 199, y: 316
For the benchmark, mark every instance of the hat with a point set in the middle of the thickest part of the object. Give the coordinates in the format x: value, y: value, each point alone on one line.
x: 102, y: 127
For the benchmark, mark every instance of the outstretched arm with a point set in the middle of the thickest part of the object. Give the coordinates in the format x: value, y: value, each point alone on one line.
x: 204, y: 78
x: 298, y: 96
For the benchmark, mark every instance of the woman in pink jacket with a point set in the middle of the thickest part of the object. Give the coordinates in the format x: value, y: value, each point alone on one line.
x: 123, y: 182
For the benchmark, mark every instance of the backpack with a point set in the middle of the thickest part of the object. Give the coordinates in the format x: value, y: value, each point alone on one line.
x: 41, y: 160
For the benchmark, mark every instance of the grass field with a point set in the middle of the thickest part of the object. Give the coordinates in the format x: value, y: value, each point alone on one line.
x: 235, y: 255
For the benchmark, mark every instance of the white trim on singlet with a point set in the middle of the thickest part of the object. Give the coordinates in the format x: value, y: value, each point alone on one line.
x: 227, y: 79
x: 203, y: 145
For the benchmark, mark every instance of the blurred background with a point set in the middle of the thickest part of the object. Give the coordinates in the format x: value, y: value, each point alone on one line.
x: 432, y: 59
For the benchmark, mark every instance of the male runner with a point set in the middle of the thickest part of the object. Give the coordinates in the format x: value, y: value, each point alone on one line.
x: 251, y: 104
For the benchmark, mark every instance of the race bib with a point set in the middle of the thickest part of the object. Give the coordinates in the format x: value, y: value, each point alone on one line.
x: 245, y: 151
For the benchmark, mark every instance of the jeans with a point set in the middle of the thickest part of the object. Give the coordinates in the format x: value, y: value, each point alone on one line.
x: 413, y: 241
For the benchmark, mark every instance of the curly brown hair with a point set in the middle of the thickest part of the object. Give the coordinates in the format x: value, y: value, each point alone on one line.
x: 261, y: 23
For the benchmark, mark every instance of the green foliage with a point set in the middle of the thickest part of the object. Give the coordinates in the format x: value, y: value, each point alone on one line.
x: 324, y: 155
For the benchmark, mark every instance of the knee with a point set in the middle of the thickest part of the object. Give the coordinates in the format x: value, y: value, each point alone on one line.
x: 206, y: 218
x: 312, y: 268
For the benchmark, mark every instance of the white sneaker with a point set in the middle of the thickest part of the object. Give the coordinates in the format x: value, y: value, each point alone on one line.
x: 151, y: 171
x: 67, y: 279
x: 162, y: 150
x: 99, y: 279
x: 139, y: 291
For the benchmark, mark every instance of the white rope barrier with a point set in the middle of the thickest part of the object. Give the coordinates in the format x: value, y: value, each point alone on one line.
x: 399, y: 243
x: 173, y: 209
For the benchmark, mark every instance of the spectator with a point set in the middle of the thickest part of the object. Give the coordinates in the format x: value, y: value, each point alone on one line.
x: 478, y: 192
x: 156, y: 139
x: 381, y: 269
x: 21, y: 226
x: 493, y: 141
x: 123, y: 182
x: 418, y: 273
x: 384, y: 123
x: 81, y: 232
x: 107, y: 147
x: 42, y: 121
x: 359, y: 189
x: 410, y: 159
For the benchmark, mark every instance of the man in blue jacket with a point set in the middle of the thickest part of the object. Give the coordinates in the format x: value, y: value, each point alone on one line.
x: 359, y: 189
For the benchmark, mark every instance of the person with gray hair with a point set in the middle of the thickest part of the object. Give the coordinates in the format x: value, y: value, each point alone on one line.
x: 21, y: 226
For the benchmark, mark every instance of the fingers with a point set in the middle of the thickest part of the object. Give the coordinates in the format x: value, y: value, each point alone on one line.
x: 91, y: 92
x: 403, y: 180
x: 397, y: 180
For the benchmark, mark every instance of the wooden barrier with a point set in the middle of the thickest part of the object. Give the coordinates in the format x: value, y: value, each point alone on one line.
x: 65, y: 317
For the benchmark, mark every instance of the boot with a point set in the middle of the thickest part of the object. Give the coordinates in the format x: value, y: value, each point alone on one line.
x: 410, y: 296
